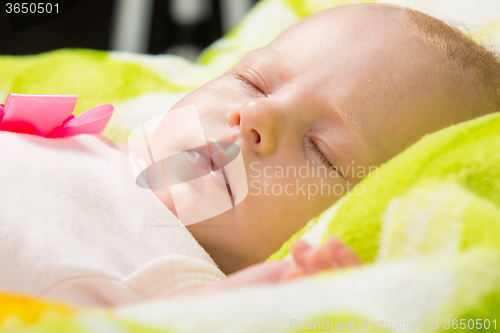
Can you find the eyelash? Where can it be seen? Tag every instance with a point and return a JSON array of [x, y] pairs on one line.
[[315, 149], [248, 83], [313, 145]]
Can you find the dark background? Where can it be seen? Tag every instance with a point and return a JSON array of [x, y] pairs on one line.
[[89, 24]]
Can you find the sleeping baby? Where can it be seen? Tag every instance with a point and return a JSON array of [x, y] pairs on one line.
[[346, 89]]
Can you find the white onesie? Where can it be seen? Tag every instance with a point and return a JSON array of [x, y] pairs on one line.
[[74, 226]]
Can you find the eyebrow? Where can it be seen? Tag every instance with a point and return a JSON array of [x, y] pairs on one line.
[[281, 67], [252, 55], [254, 52]]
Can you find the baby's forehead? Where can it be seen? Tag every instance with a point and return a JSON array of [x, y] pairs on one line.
[[368, 33], [361, 22], [361, 14], [345, 45]]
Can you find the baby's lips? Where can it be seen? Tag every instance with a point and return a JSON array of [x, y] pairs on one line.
[[223, 153], [197, 162], [187, 165]]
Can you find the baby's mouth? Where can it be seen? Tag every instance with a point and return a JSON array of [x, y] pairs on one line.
[[222, 154], [200, 159], [209, 159]]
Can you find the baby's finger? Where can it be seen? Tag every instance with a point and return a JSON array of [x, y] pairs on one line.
[[346, 257], [299, 251], [300, 246], [292, 272], [319, 260], [341, 254], [313, 259]]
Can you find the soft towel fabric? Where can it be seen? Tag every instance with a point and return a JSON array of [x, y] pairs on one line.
[[74, 226]]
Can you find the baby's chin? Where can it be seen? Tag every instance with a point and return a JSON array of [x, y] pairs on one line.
[[165, 197]]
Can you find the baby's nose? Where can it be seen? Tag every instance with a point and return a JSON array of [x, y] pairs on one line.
[[259, 125]]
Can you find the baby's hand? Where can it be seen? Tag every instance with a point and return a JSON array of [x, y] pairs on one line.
[[308, 260]]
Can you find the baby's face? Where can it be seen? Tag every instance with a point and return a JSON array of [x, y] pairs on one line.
[[346, 89]]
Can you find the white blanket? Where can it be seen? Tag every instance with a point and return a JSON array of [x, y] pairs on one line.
[[74, 226]]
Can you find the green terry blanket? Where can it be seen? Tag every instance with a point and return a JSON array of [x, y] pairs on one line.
[[427, 225]]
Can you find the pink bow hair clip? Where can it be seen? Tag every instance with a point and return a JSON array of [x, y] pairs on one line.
[[51, 116]]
